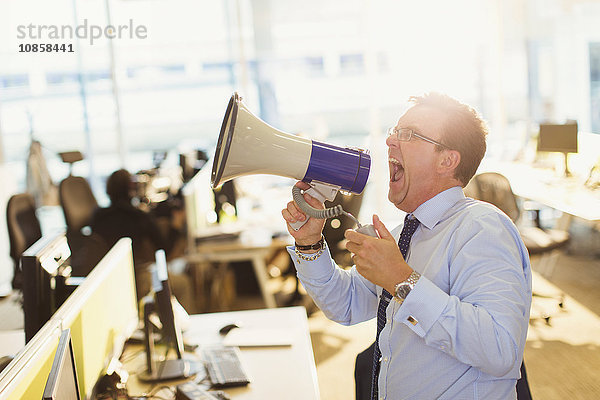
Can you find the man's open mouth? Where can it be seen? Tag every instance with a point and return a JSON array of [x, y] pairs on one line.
[[396, 169]]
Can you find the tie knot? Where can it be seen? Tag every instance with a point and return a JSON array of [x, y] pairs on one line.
[[410, 222]]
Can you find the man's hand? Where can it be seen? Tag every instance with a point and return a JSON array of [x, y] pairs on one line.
[[378, 260], [310, 232]]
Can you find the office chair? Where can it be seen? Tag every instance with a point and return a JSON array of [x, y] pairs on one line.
[[77, 201], [335, 227], [23, 230], [363, 373], [495, 188]]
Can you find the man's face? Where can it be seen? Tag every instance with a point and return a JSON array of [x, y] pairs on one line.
[[414, 164]]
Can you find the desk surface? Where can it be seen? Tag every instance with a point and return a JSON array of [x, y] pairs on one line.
[[283, 372], [568, 195]]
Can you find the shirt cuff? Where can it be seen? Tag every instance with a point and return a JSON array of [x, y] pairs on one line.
[[317, 271], [423, 306]]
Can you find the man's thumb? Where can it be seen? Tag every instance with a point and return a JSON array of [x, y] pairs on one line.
[[381, 229]]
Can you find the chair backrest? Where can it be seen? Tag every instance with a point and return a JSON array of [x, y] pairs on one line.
[[335, 227], [77, 201], [23, 225], [494, 188]]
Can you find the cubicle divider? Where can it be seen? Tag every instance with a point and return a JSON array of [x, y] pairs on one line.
[[101, 313]]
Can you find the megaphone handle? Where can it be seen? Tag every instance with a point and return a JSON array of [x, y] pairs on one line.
[[299, 224], [367, 229], [326, 192]]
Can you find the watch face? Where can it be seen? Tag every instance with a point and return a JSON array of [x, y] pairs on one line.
[[402, 290]]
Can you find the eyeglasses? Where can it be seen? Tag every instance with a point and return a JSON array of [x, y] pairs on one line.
[[405, 134]]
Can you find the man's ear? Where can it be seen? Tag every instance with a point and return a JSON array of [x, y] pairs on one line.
[[449, 160]]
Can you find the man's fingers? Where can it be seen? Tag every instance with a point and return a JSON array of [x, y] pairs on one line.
[[287, 216], [313, 202], [302, 185], [355, 237], [383, 232], [352, 247], [295, 212]]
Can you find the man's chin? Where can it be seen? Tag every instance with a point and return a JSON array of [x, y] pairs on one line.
[[396, 197]]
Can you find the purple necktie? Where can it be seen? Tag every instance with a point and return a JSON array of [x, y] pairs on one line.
[[410, 225]]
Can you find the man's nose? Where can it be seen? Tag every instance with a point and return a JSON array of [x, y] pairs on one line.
[[391, 141]]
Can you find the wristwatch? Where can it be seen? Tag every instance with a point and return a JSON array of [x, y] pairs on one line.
[[403, 288]]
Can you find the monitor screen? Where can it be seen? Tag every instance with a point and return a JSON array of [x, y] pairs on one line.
[[41, 264], [62, 381], [171, 333], [560, 138]]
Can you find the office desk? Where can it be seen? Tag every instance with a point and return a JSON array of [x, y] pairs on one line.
[[284, 372], [566, 194], [237, 250]]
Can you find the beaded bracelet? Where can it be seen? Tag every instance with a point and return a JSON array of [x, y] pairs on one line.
[[305, 257]]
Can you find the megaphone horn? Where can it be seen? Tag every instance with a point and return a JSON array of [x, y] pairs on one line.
[[247, 145]]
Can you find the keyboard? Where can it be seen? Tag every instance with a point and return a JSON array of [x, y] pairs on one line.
[[224, 366]]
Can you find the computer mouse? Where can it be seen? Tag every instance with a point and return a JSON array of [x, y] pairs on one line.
[[225, 330]]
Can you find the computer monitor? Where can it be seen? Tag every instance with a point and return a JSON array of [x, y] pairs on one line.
[[170, 332], [161, 305], [62, 381], [44, 265], [199, 204], [101, 313], [559, 138]]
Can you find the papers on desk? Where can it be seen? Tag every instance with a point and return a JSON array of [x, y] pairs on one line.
[[257, 337]]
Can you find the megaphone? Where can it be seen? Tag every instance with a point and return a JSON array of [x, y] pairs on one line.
[[247, 146]]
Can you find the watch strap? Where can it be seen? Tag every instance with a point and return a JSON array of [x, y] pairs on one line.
[[403, 288]]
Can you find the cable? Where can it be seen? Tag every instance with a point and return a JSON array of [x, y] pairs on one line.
[[312, 212], [152, 394]]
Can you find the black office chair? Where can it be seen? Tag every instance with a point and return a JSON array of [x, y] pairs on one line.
[[363, 373], [335, 227], [23, 230], [77, 201], [523, 391]]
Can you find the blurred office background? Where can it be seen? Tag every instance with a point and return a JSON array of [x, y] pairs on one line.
[[336, 71], [331, 70]]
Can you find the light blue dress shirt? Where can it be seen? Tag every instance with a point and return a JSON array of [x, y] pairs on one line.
[[460, 333]]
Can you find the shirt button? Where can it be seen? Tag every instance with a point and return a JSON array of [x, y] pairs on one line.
[[389, 320], [385, 359]]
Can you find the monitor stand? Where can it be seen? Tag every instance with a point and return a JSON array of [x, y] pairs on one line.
[[567, 172], [170, 369], [178, 368]]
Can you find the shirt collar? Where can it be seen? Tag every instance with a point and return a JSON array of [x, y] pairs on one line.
[[432, 211]]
